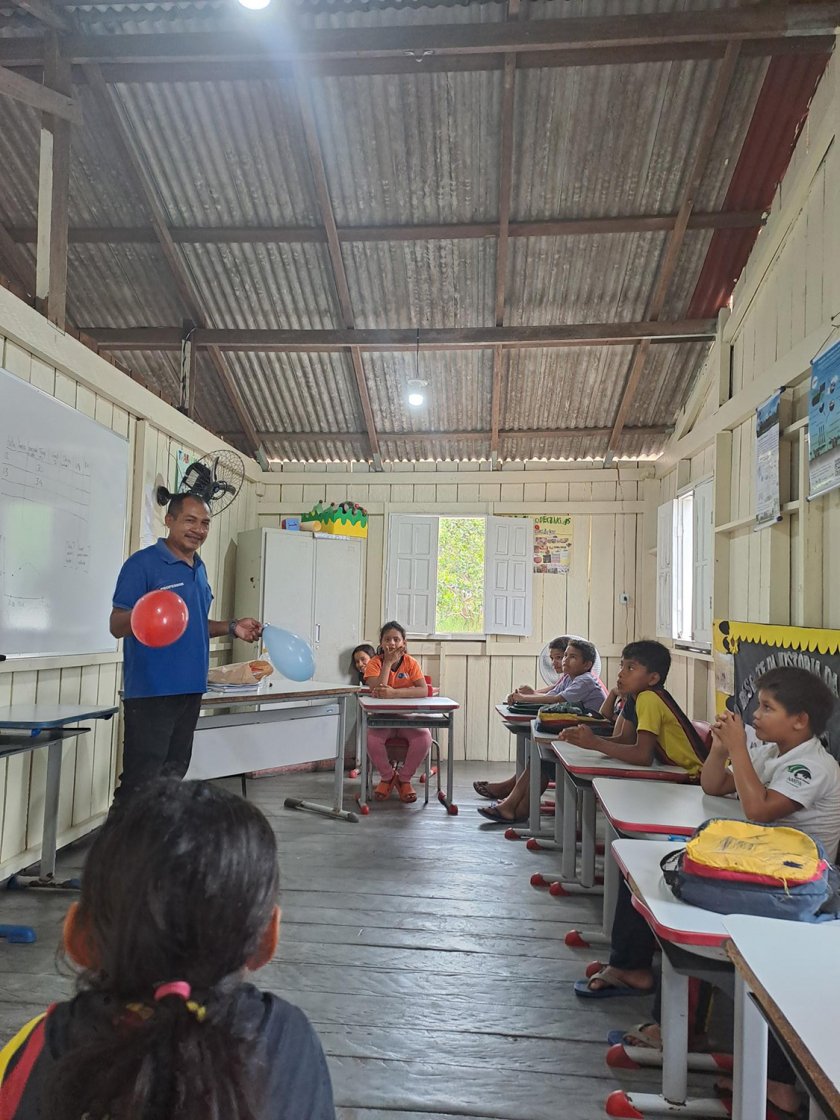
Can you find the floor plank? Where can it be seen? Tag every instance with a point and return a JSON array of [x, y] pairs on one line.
[[436, 976]]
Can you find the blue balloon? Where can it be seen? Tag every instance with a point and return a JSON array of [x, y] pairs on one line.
[[289, 653]]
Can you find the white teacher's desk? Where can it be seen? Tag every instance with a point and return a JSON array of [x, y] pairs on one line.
[[789, 970], [28, 727], [437, 713], [284, 724]]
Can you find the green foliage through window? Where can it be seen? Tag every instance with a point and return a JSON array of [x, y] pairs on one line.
[[460, 590]]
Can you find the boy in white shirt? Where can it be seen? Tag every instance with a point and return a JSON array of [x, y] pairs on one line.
[[778, 767]]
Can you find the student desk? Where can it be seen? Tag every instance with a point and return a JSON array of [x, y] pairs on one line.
[[642, 811], [693, 943], [435, 712], [575, 769], [28, 727], [519, 724], [283, 725], [789, 969]]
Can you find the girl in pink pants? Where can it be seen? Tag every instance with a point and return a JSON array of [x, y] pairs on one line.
[[393, 674]]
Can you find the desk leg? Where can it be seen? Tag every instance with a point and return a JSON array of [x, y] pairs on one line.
[[749, 1096], [49, 837], [523, 744], [363, 763], [537, 839], [447, 798], [587, 837], [338, 796], [584, 938]]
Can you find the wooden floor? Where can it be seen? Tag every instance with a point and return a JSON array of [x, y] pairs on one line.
[[436, 976]]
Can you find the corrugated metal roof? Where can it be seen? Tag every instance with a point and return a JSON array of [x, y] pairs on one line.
[[416, 148]]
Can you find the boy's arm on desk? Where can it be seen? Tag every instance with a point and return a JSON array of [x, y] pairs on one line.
[[639, 751]]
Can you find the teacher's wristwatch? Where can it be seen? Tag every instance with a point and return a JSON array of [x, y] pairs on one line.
[[234, 622]]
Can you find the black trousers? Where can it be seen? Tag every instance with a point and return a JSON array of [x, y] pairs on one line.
[[158, 740]]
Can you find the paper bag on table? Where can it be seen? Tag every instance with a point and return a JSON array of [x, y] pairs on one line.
[[241, 672]]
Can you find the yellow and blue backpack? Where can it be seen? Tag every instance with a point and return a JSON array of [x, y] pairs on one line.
[[743, 867]]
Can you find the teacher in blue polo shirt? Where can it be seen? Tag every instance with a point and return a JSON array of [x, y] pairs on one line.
[[163, 686]]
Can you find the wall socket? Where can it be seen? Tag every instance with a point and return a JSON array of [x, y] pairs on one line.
[[623, 598]]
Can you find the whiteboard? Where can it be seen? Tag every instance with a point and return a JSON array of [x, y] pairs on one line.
[[63, 485]]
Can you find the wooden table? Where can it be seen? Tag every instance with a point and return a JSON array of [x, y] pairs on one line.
[[29, 727], [238, 733], [787, 977], [435, 712]]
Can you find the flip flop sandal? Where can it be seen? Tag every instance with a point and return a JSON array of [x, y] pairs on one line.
[[483, 790], [406, 792], [613, 989], [383, 789], [774, 1112], [635, 1038], [494, 814]]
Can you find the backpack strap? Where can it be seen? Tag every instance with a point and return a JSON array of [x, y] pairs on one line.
[[697, 745], [17, 1060]]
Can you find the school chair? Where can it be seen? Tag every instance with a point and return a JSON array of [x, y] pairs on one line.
[[397, 748]]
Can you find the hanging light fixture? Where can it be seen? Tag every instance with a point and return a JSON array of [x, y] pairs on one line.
[[255, 5], [416, 384]]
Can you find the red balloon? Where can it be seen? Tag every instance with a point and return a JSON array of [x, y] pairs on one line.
[[159, 618]]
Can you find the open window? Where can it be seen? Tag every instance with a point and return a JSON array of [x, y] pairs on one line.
[[460, 576], [684, 567]]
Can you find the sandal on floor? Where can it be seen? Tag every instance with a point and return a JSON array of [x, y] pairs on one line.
[[774, 1111], [613, 987], [383, 789], [406, 792], [483, 790], [635, 1038]]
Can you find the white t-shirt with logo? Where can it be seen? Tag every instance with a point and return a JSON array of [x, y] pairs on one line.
[[808, 775]]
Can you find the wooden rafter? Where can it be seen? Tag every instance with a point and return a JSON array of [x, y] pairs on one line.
[[13, 261], [453, 231], [44, 12], [53, 194], [297, 438], [676, 237], [180, 275], [402, 339], [500, 360], [666, 31], [38, 96], [339, 273]]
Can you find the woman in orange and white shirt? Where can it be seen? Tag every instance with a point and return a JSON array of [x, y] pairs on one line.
[[393, 674]]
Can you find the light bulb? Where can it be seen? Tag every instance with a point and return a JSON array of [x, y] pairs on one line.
[[255, 5], [415, 399]]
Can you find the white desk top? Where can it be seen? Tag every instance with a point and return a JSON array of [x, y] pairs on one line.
[[791, 967], [418, 704], [697, 930], [283, 690], [635, 807], [28, 717], [513, 717], [578, 760]]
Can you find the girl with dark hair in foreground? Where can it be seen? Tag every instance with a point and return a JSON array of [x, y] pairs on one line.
[[178, 903]]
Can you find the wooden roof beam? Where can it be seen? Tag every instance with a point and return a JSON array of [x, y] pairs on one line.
[[405, 339], [674, 244], [578, 35], [39, 96], [44, 12], [180, 274], [454, 231], [322, 194], [297, 438]]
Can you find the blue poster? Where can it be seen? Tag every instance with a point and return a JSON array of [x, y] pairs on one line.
[[824, 422]]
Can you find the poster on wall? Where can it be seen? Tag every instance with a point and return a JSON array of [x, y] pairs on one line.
[[552, 545], [768, 507], [824, 423], [745, 650]]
